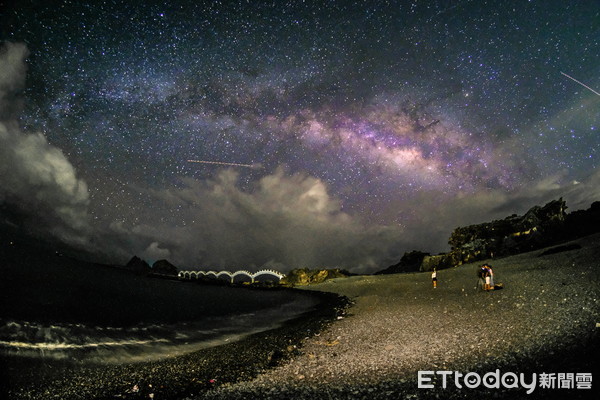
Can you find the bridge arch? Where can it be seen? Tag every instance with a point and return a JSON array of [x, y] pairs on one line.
[[213, 273], [275, 274], [231, 275], [222, 274], [243, 273]]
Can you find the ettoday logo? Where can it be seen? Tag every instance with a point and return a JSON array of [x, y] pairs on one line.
[[507, 380]]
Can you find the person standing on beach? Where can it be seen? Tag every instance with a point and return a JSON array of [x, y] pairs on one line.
[[489, 277], [481, 272], [434, 278]]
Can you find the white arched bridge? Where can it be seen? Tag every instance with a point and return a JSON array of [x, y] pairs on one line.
[[196, 274]]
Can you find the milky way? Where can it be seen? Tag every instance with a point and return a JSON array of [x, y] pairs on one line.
[[372, 128]]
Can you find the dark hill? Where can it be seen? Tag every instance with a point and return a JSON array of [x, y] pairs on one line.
[[540, 227], [138, 266], [164, 267]]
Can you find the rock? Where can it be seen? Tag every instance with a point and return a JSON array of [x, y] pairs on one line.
[[539, 227], [440, 261], [306, 276], [164, 267], [583, 222], [410, 262], [138, 266]]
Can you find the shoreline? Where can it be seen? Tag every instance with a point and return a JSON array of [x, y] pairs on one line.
[[173, 378], [543, 321]]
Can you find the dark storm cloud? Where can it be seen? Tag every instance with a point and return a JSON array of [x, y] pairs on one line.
[[35, 177]]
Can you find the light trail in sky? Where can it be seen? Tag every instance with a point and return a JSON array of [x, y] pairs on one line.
[[581, 83], [223, 163]]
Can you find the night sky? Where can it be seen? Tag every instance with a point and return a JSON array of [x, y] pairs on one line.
[[362, 129]]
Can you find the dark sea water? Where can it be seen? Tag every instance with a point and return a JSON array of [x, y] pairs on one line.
[[57, 308], [144, 341]]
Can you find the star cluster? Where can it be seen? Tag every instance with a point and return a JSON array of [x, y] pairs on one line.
[[399, 110]]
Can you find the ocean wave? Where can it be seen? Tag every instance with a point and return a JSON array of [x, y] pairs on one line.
[[142, 342], [64, 346]]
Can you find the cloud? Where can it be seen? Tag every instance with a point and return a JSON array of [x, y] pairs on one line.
[[286, 220], [292, 221], [154, 252], [35, 177], [435, 214], [12, 79]]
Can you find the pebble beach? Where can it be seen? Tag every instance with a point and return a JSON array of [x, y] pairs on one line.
[[372, 334], [545, 319]]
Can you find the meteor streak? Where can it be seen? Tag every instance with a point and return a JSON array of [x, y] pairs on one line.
[[581, 83], [222, 163]]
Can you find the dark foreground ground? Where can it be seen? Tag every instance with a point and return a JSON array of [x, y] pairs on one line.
[[173, 378], [545, 320]]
